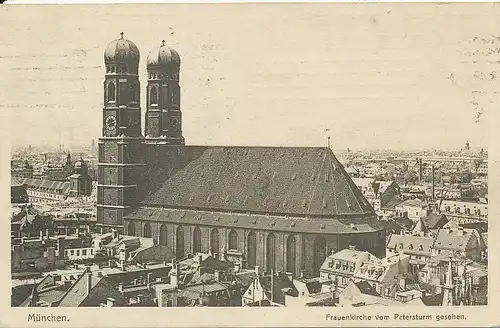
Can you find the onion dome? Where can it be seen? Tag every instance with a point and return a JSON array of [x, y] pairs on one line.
[[121, 51], [164, 57]]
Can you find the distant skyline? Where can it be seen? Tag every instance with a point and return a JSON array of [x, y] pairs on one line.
[[386, 78]]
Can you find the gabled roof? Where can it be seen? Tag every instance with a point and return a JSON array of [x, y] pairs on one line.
[[391, 203], [18, 194], [435, 221], [46, 185], [280, 283], [286, 180], [77, 293], [366, 289], [404, 222], [411, 244], [455, 239], [481, 227]]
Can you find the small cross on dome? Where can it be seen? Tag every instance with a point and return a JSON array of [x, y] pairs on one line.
[[121, 35], [162, 43]]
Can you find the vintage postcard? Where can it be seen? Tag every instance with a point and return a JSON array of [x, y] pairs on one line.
[[211, 163]]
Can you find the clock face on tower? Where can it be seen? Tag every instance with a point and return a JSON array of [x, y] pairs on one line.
[[110, 124]]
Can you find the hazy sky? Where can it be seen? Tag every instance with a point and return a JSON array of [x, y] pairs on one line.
[[375, 75]]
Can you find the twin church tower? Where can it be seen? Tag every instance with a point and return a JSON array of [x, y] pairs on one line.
[[122, 142]]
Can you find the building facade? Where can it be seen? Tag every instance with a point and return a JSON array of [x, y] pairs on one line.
[[281, 208]]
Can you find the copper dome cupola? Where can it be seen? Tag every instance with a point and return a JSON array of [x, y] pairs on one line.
[[164, 58], [121, 56]]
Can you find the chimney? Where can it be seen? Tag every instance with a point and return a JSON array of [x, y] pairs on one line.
[[214, 255], [174, 278], [460, 231], [257, 270], [290, 276], [352, 247], [120, 287], [89, 282], [110, 302], [303, 273], [60, 248], [217, 275], [47, 233], [41, 235], [148, 280], [199, 259], [115, 233]]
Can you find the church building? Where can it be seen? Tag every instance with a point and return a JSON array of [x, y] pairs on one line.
[[279, 208]]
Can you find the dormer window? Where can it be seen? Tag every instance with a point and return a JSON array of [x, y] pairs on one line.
[[400, 245], [420, 248], [410, 247]]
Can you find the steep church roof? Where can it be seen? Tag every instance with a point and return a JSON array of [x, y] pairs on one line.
[[302, 181]]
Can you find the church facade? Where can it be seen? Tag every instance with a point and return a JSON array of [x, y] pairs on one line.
[[280, 208]]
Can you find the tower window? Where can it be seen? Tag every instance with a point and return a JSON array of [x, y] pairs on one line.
[[111, 91], [153, 95]]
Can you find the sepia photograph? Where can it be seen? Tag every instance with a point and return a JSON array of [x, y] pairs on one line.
[[250, 155]]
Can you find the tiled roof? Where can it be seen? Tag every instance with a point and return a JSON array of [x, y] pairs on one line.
[[383, 185], [485, 238], [411, 244], [391, 203], [366, 289], [299, 180], [18, 194], [77, 293], [404, 222], [481, 227], [257, 221], [210, 287], [453, 239], [46, 185], [432, 220], [414, 203], [280, 282]]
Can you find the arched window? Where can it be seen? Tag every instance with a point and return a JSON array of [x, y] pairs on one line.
[[319, 253], [214, 241], [233, 240], [147, 231], [111, 91], [197, 240], [271, 252], [251, 250], [163, 235], [153, 95], [134, 92], [131, 229], [290, 254], [179, 242]]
